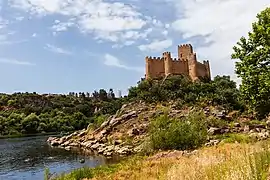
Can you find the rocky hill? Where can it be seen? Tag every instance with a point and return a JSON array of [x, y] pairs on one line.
[[127, 131]]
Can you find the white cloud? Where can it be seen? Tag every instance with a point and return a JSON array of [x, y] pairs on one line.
[[62, 26], [15, 62], [111, 60], [106, 20], [57, 49], [220, 23], [156, 45]]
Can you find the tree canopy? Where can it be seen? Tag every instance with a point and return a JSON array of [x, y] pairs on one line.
[[219, 91], [253, 66], [30, 113]]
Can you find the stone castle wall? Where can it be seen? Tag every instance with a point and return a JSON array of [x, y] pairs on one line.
[[186, 63]]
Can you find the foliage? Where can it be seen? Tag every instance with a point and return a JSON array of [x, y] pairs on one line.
[[186, 133], [103, 170], [254, 64], [234, 137], [212, 121], [220, 91], [31, 113], [77, 174]]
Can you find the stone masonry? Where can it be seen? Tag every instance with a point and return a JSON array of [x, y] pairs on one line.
[[186, 63]]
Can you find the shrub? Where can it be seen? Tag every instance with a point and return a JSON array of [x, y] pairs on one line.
[[77, 174], [232, 138], [220, 91], [215, 122], [186, 133]]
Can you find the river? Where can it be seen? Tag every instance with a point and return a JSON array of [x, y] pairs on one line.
[[26, 159]]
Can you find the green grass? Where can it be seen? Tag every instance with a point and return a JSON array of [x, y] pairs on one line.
[[103, 170], [234, 137]]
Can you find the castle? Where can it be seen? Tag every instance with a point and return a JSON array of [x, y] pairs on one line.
[[186, 63]]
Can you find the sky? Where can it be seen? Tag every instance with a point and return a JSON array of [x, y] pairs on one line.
[[61, 46]]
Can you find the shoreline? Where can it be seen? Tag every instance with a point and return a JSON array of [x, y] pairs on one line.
[[32, 135]]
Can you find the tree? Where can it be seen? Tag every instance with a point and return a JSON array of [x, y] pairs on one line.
[[103, 95], [254, 65], [111, 94], [95, 95]]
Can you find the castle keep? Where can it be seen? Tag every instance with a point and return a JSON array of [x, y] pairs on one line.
[[186, 63]]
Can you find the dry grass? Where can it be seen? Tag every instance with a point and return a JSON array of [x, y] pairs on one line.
[[225, 162]]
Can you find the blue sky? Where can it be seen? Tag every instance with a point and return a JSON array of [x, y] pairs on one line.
[[59, 46]]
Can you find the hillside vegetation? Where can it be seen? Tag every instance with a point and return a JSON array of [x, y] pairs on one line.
[[31, 113]]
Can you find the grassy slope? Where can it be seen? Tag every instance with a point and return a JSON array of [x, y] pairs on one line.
[[224, 162]]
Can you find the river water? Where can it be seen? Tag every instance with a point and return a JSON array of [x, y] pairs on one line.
[[26, 159]]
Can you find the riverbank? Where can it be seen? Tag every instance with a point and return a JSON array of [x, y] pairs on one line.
[[27, 157], [223, 162], [32, 135]]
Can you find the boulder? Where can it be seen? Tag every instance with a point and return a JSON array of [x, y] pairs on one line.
[[107, 153], [82, 133], [237, 125], [97, 146], [66, 143], [50, 139], [74, 144], [213, 142], [254, 126], [124, 150], [88, 143], [133, 132], [129, 115], [268, 123], [115, 121], [263, 136], [214, 131], [246, 129], [118, 141], [55, 143], [109, 148]]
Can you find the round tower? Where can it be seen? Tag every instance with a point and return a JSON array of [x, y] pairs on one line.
[[167, 63]]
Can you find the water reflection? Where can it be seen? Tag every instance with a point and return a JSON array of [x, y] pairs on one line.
[[26, 158]]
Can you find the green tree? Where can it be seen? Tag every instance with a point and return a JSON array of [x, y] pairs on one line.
[[253, 66], [31, 123], [103, 95]]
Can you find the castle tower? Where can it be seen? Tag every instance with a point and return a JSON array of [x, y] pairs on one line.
[[184, 51], [167, 63], [192, 66], [147, 67]]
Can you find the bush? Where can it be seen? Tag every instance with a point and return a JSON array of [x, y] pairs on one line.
[[220, 91], [215, 122], [186, 133], [77, 174]]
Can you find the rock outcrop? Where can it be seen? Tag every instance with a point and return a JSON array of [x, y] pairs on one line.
[[123, 133]]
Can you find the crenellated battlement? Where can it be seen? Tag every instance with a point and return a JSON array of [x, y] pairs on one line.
[[185, 45], [166, 53], [185, 63], [150, 58]]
